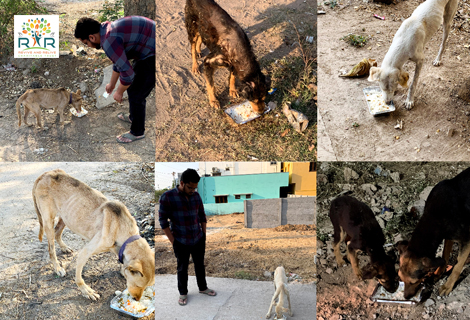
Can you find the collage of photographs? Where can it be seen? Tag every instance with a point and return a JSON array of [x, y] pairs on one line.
[[218, 160]]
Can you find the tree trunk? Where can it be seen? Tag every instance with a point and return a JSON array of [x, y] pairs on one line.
[[145, 8]]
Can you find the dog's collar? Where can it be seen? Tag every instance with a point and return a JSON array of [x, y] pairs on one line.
[[70, 100], [121, 251]]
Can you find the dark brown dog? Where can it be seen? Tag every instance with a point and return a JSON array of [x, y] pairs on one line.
[[355, 224], [208, 23], [446, 217]]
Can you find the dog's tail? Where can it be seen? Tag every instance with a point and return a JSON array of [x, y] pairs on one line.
[[18, 111], [41, 231]]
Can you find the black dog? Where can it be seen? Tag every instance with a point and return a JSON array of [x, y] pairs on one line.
[[355, 224], [208, 23], [446, 217]]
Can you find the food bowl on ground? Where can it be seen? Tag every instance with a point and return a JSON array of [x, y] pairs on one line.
[[375, 101], [382, 295], [243, 112], [125, 303]]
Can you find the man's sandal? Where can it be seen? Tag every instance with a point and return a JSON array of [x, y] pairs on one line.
[[183, 300], [124, 117], [128, 137], [209, 292]]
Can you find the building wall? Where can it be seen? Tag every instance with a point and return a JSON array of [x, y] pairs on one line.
[[236, 168], [304, 180], [270, 213], [260, 186]]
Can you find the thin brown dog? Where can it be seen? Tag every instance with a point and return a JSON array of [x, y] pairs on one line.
[[208, 23], [57, 99], [105, 224]]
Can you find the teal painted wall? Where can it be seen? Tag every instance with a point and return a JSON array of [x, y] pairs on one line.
[[261, 186]]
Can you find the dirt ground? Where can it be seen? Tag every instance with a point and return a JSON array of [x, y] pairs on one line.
[[399, 187], [90, 138], [233, 251], [347, 131], [188, 129], [29, 289]]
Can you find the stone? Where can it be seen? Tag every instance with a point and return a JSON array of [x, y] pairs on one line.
[[395, 176], [323, 262], [83, 87], [101, 101], [429, 302], [329, 270], [322, 178], [381, 222], [267, 274], [425, 193], [387, 215], [369, 188], [350, 174]]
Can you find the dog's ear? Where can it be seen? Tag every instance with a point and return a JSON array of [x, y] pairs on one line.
[[402, 246], [135, 267], [79, 92], [369, 272], [430, 265], [403, 79], [374, 74], [246, 89]]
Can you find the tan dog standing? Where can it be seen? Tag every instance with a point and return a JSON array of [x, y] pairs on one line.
[[107, 225], [57, 99], [280, 285]]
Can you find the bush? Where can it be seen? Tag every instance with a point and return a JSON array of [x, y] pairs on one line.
[[8, 9], [111, 11]]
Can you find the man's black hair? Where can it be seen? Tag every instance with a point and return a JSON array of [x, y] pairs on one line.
[[190, 175], [85, 27]]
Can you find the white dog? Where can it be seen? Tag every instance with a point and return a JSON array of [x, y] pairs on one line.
[[408, 44], [280, 283]]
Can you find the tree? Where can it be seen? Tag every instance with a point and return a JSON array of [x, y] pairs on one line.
[[144, 8]]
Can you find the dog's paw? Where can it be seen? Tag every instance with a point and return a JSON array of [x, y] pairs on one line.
[[436, 62], [196, 71], [89, 292], [60, 271], [408, 104], [214, 103], [341, 263], [233, 93], [66, 249], [445, 289], [291, 314], [268, 316]]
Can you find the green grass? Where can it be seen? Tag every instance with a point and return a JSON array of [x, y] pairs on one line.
[[355, 40], [245, 275]]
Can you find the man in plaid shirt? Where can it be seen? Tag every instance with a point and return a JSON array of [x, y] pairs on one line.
[[124, 39], [186, 230]]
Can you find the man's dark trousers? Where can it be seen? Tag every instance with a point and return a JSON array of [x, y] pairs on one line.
[[182, 253], [144, 82]]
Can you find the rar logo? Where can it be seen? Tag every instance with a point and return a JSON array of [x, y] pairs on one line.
[[36, 36], [36, 29]]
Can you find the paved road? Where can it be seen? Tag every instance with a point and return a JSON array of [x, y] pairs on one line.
[[236, 299]]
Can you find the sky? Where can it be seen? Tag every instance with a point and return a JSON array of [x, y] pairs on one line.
[[164, 172]]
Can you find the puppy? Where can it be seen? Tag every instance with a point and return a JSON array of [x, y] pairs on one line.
[[57, 99], [107, 225], [355, 224], [280, 287], [446, 217], [409, 43], [208, 23]]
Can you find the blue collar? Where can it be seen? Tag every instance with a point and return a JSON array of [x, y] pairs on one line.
[[70, 100], [121, 251]]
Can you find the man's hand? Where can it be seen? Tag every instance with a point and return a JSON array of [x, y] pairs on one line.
[[118, 96], [109, 88], [169, 235]]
